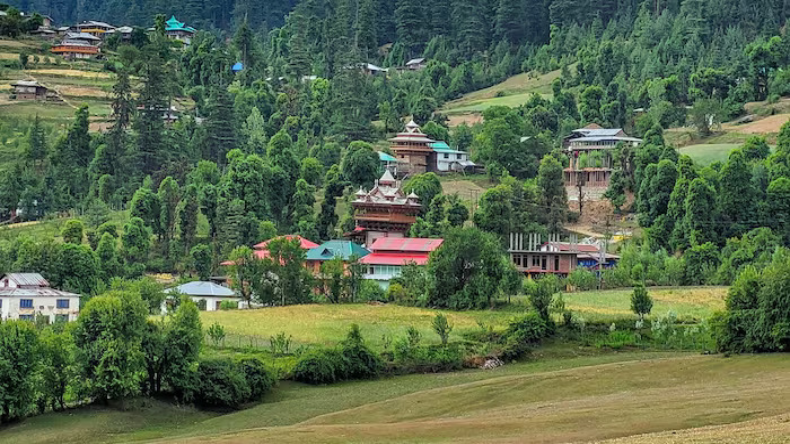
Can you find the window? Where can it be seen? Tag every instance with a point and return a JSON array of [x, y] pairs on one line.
[[371, 270], [26, 303], [26, 318], [459, 156], [543, 262], [535, 261], [556, 263], [446, 156], [62, 303], [1, 303]]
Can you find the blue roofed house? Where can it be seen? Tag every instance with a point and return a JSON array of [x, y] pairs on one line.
[[179, 31], [450, 160], [208, 295], [342, 249]]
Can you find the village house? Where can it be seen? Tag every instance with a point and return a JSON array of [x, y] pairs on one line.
[[417, 64], [94, 28], [384, 211], [446, 159], [124, 32], [535, 258], [207, 295], [28, 295], [390, 254], [590, 150], [262, 249], [72, 50], [413, 150], [344, 250], [588, 256], [29, 90], [176, 30]]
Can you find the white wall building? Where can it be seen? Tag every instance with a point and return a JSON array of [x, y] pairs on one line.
[[211, 293], [27, 295]]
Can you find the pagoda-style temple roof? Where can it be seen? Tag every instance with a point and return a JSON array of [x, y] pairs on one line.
[[386, 192], [412, 135]]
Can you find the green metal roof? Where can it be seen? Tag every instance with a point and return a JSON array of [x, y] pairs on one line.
[[384, 157], [174, 25], [443, 147], [336, 249]]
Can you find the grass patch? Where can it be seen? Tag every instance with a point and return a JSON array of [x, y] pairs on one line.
[[689, 303], [706, 154]]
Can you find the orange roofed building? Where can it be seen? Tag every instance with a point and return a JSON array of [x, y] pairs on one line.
[[384, 211]]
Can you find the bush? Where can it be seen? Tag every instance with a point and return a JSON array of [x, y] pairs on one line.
[[360, 362], [371, 291], [259, 378], [523, 334], [583, 279], [229, 305], [617, 340], [223, 383], [319, 367]]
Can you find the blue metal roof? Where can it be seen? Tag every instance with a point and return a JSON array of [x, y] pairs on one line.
[[238, 67], [336, 249], [443, 147], [384, 157]]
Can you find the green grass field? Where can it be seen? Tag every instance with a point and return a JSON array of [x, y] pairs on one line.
[[625, 397], [513, 92], [705, 154], [328, 324]]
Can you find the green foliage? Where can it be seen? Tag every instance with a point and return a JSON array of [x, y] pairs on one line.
[[524, 333], [73, 232], [442, 327], [641, 302], [222, 383], [216, 333], [583, 279], [201, 261], [541, 294], [280, 344], [19, 354]]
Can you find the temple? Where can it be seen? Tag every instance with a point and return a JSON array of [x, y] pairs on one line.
[[413, 150], [384, 211]]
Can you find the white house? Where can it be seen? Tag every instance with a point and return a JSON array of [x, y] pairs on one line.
[[27, 295], [450, 160], [211, 293]]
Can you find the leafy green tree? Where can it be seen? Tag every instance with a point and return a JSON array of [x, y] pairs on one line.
[[108, 339], [169, 197], [311, 171], [333, 189], [57, 349], [73, 232], [332, 272], [467, 270], [590, 104], [641, 302], [108, 257], [76, 269], [187, 216], [245, 272], [283, 279], [136, 243], [328, 154], [20, 355], [737, 195], [147, 206], [426, 186], [555, 197], [457, 212], [360, 164], [201, 261], [36, 149], [701, 212], [442, 327], [541, 294]]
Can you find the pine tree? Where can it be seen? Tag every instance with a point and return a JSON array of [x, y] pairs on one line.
[[701, 212], [365, 38], [410, 18], [153, 103], [737, 197], [187, 215], [510, 21], [220, 125], [36, 150]]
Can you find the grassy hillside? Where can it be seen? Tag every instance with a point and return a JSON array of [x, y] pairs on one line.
[[587, 399], [512, 92]]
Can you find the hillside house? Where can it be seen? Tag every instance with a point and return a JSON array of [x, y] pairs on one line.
[[262, 249], [94, 28], [384, 211], [535, 258], [336, 249], [588, 256], [176, 30], [124, 32], [590, 150], [29, 90], [389, 255], [417, 64], [207, 295], [446, 159], [72, 50], [413, 150], [27, 295]]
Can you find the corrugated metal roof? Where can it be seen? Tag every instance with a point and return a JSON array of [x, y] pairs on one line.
[[304, 243], [384, 157], [27, 279], [35, 292], [406, 244], [336, 249], [394, 259], [564, 246], [201, 288], [604, 138], [599, 132]]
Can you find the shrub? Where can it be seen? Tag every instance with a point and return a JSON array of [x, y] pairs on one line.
[[641, 302], [583, 279], [216, 333], [319, 367], [280, 344], [371, 291], [360, 362], [522, 334], [259, 378], [442, 327], [229, 305], [222, 384], [617, 340]]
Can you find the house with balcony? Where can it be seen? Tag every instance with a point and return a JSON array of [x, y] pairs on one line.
[[448, 160], [25, 296], [176, 30], [94, 28], [344, 250], [390, 254], [591, 153]]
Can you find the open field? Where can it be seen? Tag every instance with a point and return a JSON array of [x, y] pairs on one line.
[[513, 92], [328, 324], [705, 154], [627, 398]]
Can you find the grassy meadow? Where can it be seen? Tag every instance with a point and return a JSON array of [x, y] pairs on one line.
[[513, 92], [626, 397]]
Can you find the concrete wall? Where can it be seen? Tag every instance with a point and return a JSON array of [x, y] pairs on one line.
[[45, 306]]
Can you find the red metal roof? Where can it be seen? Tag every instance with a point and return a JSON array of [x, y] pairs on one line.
[[405, 244], [395, 259], [304, 243]]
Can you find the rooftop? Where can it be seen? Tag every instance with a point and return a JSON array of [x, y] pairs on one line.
[[27, 83], [200, 288], [396, 259], [405, 244], [81, 36], [304, 243], [27, 279], [95, 24], [342, 249], [443, 147], [416, 61], [384, 157], [174, 25], [386, 191], [412, 134]]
